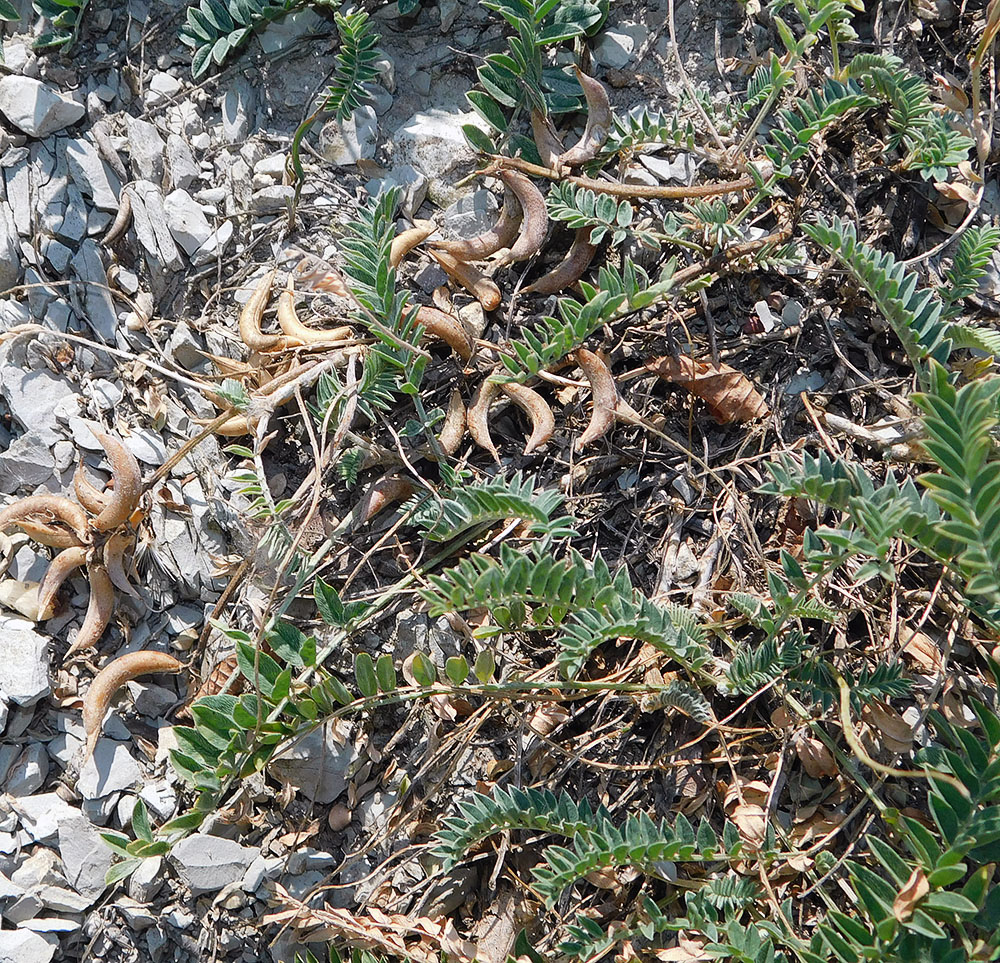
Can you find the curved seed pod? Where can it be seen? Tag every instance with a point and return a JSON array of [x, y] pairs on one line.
[[296, 330], [44, 509], [407, 240], [250, 316], [570, 269], [478, 415], [60, 569], [453, 428], [546, 140], [501, 235], [230, 428], [386, 490], [604, 396], [598, 122], [110, 679], [49, 534], [121, 222], [128, 484], [99, 609], [450, 330], [543, 422], [87, 493], [114, 561], [471, 278], [535, 223]]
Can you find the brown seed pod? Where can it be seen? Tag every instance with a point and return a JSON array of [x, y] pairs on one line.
[[289, 322], [501, 235], [99, 609], [128, 484], [49, 534], [232, 427], [570, 269], [453, 428], [407, 240], [598, 122], [543, 422], [546, 140], [383, 492], [43, 510], [251, 315], [478, 415], [604, 396], [450, 330], [470, 278], [535, 223], [121, 222], [87, 493], [60, 569], [110, 679], [115, 548]]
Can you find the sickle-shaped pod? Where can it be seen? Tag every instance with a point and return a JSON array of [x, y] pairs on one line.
[[501, 235], [250, 317], [128, 484], [549, 146], [604, 396], [478, 416], [450, 330], [39, 511], [543, 422], [99, 609], [60, 569], [469, 277], [289, 322], [453, 427], [570, 269], [535, 222], [87, 493], [598, 122], [115, 548], [407, 240]]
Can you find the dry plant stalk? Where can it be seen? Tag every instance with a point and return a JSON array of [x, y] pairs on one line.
[[728, 394], [110, 679]]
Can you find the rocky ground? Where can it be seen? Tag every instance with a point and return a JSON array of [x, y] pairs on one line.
[[116, 334]]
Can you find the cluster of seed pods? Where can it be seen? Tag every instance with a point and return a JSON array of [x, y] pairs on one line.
[[92, 532]]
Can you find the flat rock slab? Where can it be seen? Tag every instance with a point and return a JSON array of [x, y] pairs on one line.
[[35, 108], [24, 668], [23, 946], [206, 864], [86, 857]]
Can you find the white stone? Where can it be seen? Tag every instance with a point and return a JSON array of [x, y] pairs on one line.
[[411, 182], [615, 46], [186, 221], [314, 766], [23, 946], [29, 772], [287, 31], [86, 857], [42, 815], [145, 147], [146, 881], [206, 864], [110, 769], [273, 200], [162, 87], [24, 668], [433, 143], [344, 144], [92, 300], [35, 108], [183, 168], [10, 267]]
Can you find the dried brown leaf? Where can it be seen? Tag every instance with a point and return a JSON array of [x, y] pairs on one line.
[[728, 394], [913, 891]]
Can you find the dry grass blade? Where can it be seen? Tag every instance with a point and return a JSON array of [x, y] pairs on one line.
[[110, 679], [728, 394]]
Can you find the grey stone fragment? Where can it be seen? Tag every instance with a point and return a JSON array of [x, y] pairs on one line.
[[18, 178], [162, 86], [238, 106], [23, 908], [216, 244], [62, 900], [272, 200], [27, 463], [146, 149], [150, 222], [183, 168], [449, 10], [10, 262], [92, 175], [57, 254], [36, 108], [316, 765], [470, 215], [344, 144], [411, 182], [289, 30], [110, 769], [23, 946], [74, 221], [186, 221], [147, 880], [42, 814], [433, 143], [29, 772], [24, 668], [94, 302], [616, 45], [33, 397], [86, 857], [206, 864], [42, 868]]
